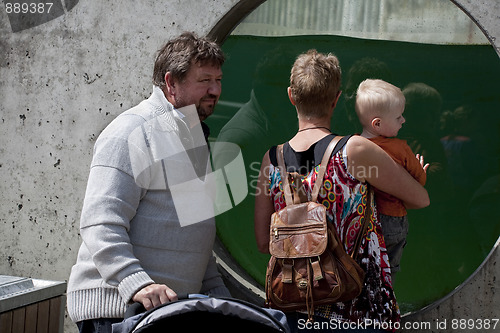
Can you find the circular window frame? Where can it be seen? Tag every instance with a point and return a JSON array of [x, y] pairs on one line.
[[238, 281], [485, 20]]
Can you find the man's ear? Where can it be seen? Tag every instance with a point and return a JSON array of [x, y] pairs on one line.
[[290, 97], [169, 83]]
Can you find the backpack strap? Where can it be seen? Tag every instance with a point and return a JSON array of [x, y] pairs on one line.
[[333, 147], [322, 167], [364, 226], [284, 175]]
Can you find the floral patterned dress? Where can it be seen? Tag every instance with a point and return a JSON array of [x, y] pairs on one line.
[[345, 199]]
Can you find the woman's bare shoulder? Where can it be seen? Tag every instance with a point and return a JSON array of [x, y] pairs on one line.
[[359, 145]]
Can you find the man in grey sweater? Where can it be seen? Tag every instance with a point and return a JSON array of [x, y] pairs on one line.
[[146, 224]]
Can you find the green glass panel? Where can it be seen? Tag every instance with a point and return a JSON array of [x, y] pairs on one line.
[[452, 118]]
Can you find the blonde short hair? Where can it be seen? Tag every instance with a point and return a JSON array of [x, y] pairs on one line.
[[315, 82], [375, 97]]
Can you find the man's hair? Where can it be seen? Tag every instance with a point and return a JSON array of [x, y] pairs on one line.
[[180, 53], [375, 97], [315, 82]]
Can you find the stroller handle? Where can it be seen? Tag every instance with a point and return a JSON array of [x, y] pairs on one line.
[[137, 308]]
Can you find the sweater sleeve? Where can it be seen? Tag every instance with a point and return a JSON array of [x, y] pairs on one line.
[[110, 203]]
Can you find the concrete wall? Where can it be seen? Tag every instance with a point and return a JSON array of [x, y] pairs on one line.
[[63, 81]]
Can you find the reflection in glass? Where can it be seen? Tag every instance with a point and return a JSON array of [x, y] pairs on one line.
[[448, 73], [421, 21]]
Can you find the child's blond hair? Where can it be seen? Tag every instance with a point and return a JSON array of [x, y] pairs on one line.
[[375, 97]]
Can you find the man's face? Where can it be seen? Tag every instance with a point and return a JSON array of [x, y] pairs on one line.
[[201, 87]]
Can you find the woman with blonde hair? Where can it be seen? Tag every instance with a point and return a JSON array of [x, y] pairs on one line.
[[314, 91]]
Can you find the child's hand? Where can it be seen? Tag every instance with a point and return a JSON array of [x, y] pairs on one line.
[[421, 160]]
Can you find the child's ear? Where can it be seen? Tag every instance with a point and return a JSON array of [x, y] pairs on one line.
[[376, 122]]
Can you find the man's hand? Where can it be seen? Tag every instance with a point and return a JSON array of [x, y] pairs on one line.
[[153, 295]]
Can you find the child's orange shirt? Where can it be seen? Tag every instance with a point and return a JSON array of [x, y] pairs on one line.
[[401, 153]]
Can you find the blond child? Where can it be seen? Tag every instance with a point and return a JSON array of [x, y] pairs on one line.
[[380, 106]]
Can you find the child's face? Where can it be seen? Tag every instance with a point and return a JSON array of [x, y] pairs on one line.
[[391, 122]]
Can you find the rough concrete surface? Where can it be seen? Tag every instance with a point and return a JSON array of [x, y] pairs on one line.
[[61, 83]]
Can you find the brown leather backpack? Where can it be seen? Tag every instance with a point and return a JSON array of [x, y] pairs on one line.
[[308, 264]]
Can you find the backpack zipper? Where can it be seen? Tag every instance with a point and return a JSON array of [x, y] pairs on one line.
[[292, 230]]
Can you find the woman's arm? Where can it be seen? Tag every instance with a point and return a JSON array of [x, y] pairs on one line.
[[264, 207], [368, 162]]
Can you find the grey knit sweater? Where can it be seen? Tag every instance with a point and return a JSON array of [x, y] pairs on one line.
[[131, 232]]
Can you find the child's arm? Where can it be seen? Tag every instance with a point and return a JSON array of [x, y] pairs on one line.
[[415, 165]]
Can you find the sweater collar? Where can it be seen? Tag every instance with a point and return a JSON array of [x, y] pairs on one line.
[[162, 105]]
